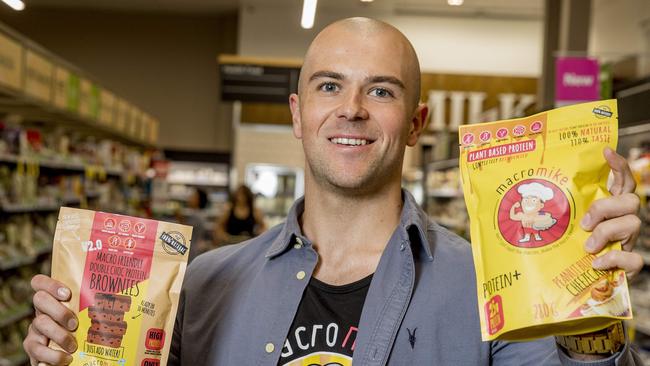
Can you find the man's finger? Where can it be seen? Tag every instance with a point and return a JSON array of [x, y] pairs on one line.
[[48, 305], [53, 287], [33, 337], [41, 354], [620, 228], [610, 207], [50, 329], [630, 262], [623, 178], [36, 335]]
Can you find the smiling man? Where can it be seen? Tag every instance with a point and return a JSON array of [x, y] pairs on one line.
[[357, 271]]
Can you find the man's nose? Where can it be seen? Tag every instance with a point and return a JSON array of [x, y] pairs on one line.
[[352, 107]]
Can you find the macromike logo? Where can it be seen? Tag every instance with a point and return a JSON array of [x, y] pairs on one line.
[[173, 243]]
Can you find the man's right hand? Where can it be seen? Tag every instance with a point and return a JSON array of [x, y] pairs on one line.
[[53, 322]]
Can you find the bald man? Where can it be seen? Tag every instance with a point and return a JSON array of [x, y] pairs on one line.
[[357, 270]]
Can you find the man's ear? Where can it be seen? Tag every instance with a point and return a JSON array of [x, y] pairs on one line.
[[418, 122], [294, 105]]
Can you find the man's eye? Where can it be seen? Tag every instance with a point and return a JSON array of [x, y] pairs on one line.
[[328, 87], [381, 93]]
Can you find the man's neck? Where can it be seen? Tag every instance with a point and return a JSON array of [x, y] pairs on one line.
[[350, 232]]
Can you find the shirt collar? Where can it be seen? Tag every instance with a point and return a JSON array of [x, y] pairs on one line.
[[412, 218]]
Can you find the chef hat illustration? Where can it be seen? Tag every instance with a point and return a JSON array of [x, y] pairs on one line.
[[537, 190]]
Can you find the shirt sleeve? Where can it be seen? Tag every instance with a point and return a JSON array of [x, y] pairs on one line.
[[546, 352]]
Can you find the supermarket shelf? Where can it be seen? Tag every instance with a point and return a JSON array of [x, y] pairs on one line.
[[453, 224], [17, 208], [17, 313], [14, 208], [443, 164], [17, 358], [26, 260], [445, 193], [61, 165]]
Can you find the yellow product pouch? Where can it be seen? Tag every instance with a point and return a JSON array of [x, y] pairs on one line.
[[125, 274], [527, 184]]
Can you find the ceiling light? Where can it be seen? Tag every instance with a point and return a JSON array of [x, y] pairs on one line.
[[367, 1], [17, 5], [308, 13], [455, 2]]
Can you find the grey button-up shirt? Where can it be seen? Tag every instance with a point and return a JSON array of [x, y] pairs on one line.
[[238, 302]]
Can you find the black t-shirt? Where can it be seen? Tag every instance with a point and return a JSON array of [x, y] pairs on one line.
[[324, 330]]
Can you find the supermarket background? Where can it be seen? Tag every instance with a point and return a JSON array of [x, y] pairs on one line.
[[130, 106]]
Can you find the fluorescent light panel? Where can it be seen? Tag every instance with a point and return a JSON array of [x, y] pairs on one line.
[[17, 5], [308, 13], [455, 2]]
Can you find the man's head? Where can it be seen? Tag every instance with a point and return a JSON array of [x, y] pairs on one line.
[[357, 105]]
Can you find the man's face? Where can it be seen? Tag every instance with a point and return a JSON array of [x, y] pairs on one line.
[[531, 204], [356, 113]]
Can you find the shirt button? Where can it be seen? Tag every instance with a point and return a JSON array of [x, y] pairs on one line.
[[300, 275], [269, 348], [297, 246], [298, 241]]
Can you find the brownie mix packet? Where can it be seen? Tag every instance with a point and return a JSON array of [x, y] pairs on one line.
[[527, 184], [125, 274]]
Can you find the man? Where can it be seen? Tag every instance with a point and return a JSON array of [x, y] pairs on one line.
[[357, 270]]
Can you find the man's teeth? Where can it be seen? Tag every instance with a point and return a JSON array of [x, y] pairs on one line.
[[351, 142]]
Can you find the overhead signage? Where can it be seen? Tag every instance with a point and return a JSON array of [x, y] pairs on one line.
[[257, 83]]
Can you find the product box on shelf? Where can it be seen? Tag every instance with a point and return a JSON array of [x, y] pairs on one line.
[[39, 74], [106, 108], [11, 67]]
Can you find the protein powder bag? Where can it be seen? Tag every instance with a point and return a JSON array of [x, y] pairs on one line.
[[527, 184], [125, 274]]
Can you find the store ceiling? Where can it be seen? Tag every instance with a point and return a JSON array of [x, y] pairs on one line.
[[525, 8], [185, 6]]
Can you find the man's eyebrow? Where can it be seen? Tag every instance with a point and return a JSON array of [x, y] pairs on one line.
[[326, 74], [372, 79], [387, 79]]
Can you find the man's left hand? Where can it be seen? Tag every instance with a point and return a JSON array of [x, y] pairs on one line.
[[615, 218]]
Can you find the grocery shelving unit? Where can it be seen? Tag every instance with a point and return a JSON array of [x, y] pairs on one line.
[[634, 143], [64, 140], [442, 191]]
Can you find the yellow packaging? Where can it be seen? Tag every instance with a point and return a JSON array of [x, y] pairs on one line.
[[527, 184], [125, 274]]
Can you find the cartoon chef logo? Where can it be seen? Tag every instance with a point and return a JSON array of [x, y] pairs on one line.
[[322, 359], [533, 213]]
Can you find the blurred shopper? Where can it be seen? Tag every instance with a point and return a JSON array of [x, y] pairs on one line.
[[198, 219], [240, 219]]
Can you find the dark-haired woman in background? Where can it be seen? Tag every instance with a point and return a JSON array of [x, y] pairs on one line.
[[240, 219], [197, 202]]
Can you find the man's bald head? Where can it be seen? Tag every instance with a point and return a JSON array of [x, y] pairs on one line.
[[373, 33]]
